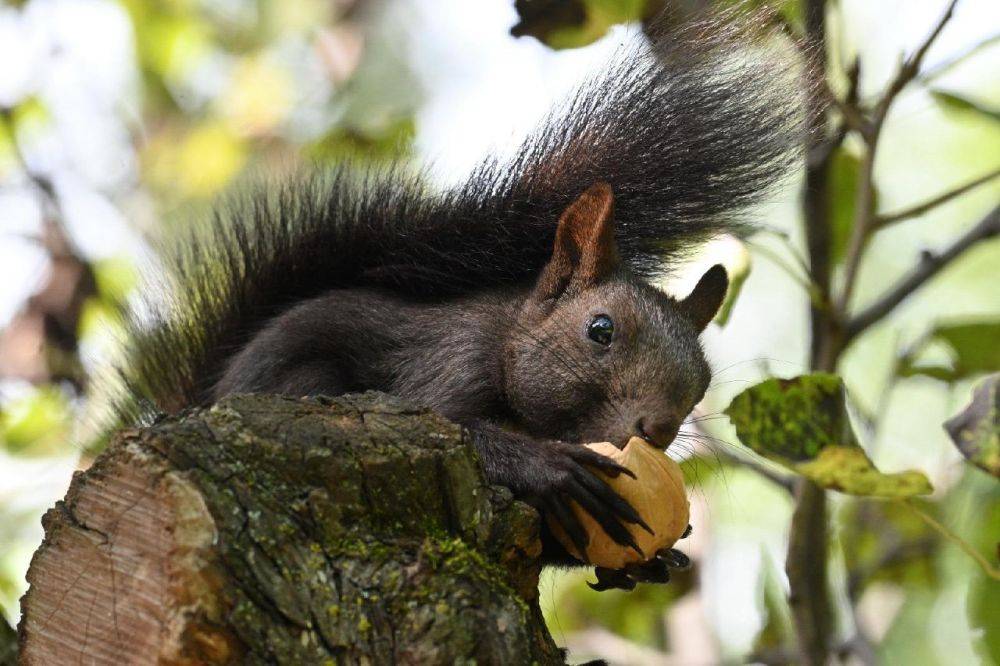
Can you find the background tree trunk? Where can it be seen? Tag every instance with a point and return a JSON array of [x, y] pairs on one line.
[[358, 529]]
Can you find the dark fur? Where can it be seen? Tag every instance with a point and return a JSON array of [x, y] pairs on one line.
[[356, 281]]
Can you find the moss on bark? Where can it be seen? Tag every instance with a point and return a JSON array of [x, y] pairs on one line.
[[351, 530]]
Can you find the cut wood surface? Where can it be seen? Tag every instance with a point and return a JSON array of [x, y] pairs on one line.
[[270, 530]]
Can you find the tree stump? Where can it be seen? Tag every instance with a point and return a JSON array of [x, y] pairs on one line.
[[269, 530]]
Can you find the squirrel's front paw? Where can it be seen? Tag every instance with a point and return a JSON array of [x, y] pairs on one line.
[[655, 570], [560, 474]]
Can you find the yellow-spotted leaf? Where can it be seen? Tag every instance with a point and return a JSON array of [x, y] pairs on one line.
[[848, 469], [803, 424]]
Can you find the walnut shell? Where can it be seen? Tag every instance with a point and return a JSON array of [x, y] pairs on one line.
[[658, 495]]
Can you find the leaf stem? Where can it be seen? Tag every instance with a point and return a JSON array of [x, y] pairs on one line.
[[990, 570]]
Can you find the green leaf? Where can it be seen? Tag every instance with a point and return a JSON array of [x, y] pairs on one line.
[[566, 24], [803, 424], [37, 424], [983, 602], [387, 141], [976, 429], [738, 270], [958, 104], [842, 184], [29, 113], [973, 348]]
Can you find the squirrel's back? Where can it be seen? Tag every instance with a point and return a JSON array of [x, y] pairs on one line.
[[689, 128]]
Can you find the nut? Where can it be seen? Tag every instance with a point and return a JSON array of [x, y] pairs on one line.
[[657, 493]]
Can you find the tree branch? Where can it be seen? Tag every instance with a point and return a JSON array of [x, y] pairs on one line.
[[805, 563], [882, 221], [816, 190], [57, 240], [864, 206], [930, 264], [911, 67], [806, 567]]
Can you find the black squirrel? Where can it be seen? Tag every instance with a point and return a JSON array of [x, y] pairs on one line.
[[518, 303]]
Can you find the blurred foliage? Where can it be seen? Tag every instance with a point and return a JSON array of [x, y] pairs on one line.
[[844, 171], [976, 429], [971, 347], [223, 93], [983, 602], [778, 631], [900, 551], [387, 143], [631, 614], [738, 270], [564, 24], [37, 424], [116, 279], [959, 104], [194, 162], [8, 644]]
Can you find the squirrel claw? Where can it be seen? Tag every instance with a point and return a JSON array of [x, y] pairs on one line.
[[687, 532], [674, 558], [611, 579], [653, 571]]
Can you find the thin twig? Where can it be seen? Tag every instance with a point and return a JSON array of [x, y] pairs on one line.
[[882, 221], [988, 568], [852, 115], [911, 67], [930, 264], [864, 204], [56, 239], [777, 478], [939, 69]]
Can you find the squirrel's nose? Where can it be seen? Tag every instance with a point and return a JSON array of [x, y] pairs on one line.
[[658, 432]]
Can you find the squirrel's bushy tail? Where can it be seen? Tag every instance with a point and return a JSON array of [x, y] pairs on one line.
[[689, 128]]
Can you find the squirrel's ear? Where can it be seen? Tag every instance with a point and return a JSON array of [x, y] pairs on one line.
[[585, 249], [706, 297]]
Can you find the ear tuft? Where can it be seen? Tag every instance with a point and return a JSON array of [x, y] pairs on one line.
[[707, 296], [584, 251]]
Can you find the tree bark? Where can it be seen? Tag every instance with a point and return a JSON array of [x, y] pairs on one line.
[[270, 530]]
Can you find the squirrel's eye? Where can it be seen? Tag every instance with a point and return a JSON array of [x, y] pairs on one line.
[[601, 329]]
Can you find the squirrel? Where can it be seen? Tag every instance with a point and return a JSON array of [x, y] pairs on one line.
[[518, 303]]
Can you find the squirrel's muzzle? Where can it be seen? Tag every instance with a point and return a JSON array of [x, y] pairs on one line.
[[658, 432]]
